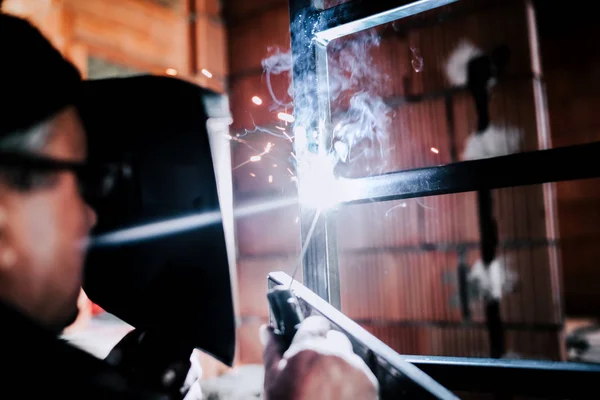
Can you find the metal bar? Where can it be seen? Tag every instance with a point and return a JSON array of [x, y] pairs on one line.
[[514, 326], [462, 277], [320, 270], [488, 231], [357, 15], [310, 72], [530, 168], [489, 243], [539, 379], [417, 384]]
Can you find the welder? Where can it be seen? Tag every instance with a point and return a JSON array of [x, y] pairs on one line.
[[47, 181]]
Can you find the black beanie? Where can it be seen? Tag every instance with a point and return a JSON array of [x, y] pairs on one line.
[[36, 81]]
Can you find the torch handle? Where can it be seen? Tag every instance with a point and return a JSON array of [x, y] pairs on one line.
[[286, 313]]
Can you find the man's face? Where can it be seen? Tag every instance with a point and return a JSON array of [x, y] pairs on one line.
[[46, 227]]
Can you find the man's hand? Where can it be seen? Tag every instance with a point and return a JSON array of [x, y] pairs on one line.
[[319, 364]]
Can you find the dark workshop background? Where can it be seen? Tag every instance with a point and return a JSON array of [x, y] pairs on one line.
[[398, 260]]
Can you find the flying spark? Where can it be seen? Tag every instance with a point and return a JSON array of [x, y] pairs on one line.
[[270, 178], [171, 71], [207, 73], [257, 100], [434, 150], [285, 117], [255, 158]]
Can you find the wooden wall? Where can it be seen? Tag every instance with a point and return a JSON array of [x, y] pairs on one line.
[[398, 261], [180, 37]]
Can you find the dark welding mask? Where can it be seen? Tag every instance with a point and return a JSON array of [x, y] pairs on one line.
[[159, 256], [159, 177]]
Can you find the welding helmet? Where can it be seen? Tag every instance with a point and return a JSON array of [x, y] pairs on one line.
[[161, 145]]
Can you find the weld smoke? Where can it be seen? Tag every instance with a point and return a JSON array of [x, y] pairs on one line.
[[360, 117]]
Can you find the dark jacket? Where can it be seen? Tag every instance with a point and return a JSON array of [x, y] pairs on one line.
[[36, 364]]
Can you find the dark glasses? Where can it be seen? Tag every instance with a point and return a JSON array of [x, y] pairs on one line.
[[96, 181]]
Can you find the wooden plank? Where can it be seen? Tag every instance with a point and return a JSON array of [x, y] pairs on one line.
[[211, 46], [236, 11], [132, 33]]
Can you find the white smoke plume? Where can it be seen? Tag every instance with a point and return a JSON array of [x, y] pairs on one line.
[[494, 281], [360, 117], [458, 62], [495, 141]]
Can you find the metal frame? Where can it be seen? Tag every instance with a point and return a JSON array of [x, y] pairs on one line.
[[312, 30], [418, 377]]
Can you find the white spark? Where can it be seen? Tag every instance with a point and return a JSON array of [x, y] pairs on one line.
[[257, 100], [207, 73], [285, 117]]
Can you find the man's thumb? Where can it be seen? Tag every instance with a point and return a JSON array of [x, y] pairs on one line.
[[273, 347]]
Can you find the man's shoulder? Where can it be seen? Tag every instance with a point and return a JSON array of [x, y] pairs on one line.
[[35, 361]]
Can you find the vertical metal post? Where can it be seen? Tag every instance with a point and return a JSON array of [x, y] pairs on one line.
[[479, 73], [312, 112], [489, 243]]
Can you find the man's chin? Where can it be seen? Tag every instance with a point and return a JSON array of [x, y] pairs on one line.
[[69, 317]]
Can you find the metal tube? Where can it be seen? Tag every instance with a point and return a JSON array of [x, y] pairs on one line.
[[311, 85], [528, 168], [357, 15]]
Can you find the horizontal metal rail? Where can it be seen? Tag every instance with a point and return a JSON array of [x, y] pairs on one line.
[[541, 379], [530, 168], [357, 15]]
